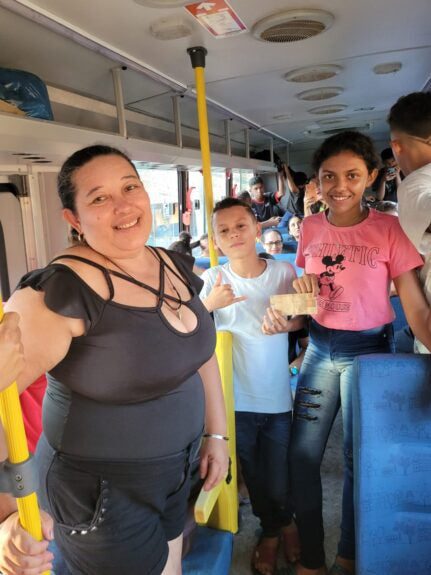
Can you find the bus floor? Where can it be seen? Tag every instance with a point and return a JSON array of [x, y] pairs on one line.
[[332, 479]]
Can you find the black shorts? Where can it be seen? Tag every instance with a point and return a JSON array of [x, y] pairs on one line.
[[116, 517]]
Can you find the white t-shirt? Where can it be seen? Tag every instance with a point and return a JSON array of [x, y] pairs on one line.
[[260, 362], [414, 208]]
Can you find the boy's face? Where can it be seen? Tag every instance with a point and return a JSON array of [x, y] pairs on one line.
[[257, 192], [235, 231], [406, 152]]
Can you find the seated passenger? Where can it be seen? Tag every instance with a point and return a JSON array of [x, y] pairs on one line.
[[388, 179], [184, 244], [295, 227], [266, 205], [272, 241], [238, 293], [203, 243]]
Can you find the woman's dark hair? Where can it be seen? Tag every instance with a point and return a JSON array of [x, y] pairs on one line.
[[350, 141], [268, 231], [65, 185]]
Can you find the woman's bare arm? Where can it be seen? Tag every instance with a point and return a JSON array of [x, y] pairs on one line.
[[46, 336]]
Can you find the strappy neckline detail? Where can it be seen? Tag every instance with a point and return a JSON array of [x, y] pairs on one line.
[[159, 293]]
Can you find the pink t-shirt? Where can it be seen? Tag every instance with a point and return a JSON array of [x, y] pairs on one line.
[[355, 266]]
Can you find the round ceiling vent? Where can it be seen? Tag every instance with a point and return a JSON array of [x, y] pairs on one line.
[[328, 109], [387, 68], [171, 28], [163, 3], [292, 25], [317, 94], [313, 73]]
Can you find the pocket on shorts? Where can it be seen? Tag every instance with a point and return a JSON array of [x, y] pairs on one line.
[[77, 499]]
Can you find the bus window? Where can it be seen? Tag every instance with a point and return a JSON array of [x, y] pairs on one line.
[[162, 187], [240, 179], [197, 199]]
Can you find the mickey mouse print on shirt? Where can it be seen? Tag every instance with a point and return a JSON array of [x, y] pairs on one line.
[[327, 285]]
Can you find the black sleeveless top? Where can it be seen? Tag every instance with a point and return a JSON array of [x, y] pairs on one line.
[[128, 388]]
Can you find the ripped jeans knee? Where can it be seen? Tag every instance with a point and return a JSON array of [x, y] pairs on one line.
[[307, 404]]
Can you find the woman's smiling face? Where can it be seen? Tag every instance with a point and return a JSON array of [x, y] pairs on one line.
[[112, 208]]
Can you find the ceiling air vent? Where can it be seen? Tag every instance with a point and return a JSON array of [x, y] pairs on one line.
[[332, 121], [387, 68], [292, 25], [332, 131], [328, 109], [320, 94], [163, 3], [313, 73]]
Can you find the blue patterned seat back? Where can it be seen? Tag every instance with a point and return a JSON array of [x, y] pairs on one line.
[[392, 459]]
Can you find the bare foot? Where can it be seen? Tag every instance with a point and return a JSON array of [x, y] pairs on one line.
[[264, 560], [291, 544]]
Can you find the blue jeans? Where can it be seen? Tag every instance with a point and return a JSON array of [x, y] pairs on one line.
[[325, 383], [262, 441]]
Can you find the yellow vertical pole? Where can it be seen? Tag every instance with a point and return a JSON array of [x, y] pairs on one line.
[[197, 55], [13, 425], [225, 513]]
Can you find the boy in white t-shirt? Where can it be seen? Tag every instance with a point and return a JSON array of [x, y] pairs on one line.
[[238, 293], [410, 123]]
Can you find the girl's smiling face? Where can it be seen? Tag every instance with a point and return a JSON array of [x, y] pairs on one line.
[[343, 180]]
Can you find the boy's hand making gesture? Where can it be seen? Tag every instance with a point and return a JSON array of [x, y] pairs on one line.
[[221, 295]]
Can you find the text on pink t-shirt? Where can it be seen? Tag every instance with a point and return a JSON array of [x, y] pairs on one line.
[[355, 266]]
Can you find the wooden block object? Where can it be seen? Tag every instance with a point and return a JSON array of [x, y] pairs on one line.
[[294, 303]]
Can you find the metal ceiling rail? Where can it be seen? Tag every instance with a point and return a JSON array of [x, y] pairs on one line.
[[36, 14]]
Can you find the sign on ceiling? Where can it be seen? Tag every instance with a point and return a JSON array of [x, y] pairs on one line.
[[217, 17]]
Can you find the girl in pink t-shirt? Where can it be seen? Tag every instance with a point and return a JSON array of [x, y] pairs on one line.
[[350, 254]]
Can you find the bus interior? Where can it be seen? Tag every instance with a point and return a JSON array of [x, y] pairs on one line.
[[281, 76]]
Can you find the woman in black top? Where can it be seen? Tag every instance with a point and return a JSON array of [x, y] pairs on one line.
[[132, 378]]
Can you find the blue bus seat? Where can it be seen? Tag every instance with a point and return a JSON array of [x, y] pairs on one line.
[[211, 553], [392, 461]]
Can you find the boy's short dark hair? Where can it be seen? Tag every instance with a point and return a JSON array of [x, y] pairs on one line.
[[412, 114], [255, 180], [227, 203], [387, 154]]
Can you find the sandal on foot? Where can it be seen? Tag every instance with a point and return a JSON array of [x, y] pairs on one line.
[[291, 544], [266, 555], [338, 569]]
